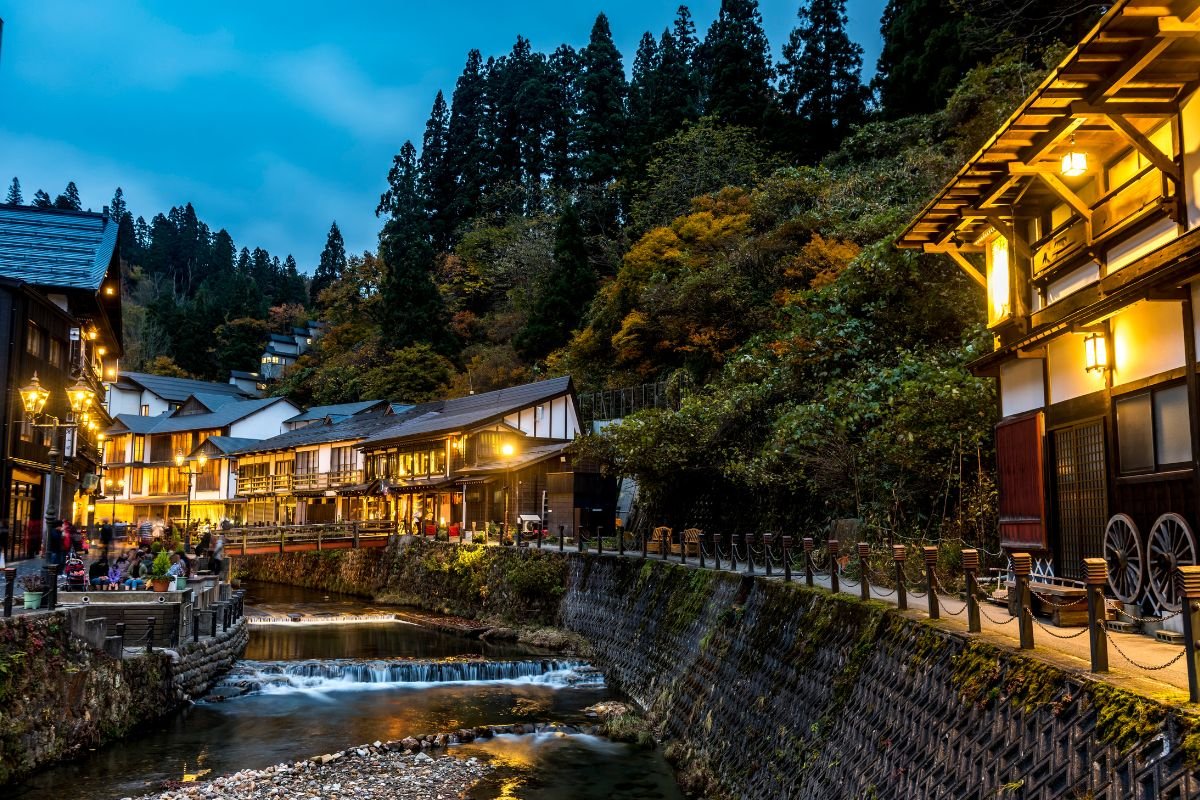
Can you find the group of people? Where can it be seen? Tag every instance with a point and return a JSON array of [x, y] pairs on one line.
[[132, 568]]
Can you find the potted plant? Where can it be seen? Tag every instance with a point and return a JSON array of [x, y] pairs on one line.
[[34, 586], [158, 572]]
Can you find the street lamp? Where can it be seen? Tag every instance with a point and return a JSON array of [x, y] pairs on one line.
[[34, 397], [201, 461], [506, 452], [114, 488]]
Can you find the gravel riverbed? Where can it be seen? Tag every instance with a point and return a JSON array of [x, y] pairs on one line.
[[370, 772]]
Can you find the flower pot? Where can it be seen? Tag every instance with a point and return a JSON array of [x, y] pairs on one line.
[[160, 584], [180, 583], [33, 600]]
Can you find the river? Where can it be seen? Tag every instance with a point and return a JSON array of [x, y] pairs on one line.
[[303, 690]]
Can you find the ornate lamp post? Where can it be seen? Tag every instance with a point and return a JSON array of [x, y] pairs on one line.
[[201, 461], [33, 398], [507, 451], [114, 488]]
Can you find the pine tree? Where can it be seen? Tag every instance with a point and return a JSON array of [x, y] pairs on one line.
[[437, 176], [602, 107], [412, 307], [126, 238], [736, 59], [466, 150], [923, 55], [42, 200], [14, 194], [821, 92], [565, 67], [69, 199], [644, 97], [296, 292], [678, 86], [563, 295], [331, 266]]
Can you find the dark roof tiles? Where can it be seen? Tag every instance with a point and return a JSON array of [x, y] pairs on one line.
[[53, 247]]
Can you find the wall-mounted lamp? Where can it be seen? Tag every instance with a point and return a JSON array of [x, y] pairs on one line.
[[1095, 352], [1075, 162]]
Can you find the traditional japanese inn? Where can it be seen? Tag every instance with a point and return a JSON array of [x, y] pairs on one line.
[[1079, 219]]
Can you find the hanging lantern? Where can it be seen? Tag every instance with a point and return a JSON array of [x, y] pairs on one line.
[[1075, 162], [34, 397], [81, 396]]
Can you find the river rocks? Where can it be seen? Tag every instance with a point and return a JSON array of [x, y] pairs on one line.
[[369, 772], [608, 709]]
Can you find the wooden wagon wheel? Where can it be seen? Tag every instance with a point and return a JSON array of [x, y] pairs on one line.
[[1172, 545], [1126, 560]]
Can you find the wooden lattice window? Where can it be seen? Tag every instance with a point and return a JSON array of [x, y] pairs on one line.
[[1080, 491]]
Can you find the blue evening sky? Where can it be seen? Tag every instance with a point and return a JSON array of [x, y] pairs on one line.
[[272, 118]]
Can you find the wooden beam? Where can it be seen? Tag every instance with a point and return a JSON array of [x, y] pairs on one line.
[[1133, 109], [1144, 146], [997, 190], [1049, 176], [964, 264], [1130, 68], [1057, 131], [1037, 352]]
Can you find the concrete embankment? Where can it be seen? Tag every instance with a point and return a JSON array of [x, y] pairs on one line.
[[766, 690], [60, 696]]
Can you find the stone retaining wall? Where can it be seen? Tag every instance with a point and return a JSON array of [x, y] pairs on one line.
[[764, 690], [60, 696]]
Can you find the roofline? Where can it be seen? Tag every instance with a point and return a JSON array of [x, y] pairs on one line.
[[1117, 8]]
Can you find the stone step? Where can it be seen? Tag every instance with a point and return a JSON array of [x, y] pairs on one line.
[[1117, 626], [1170, 637]]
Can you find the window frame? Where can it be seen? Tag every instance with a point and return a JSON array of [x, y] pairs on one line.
[[1156, 467]]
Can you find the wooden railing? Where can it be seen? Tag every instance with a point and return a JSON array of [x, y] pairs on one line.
[[326, 480], [264, 484], [258, 540]]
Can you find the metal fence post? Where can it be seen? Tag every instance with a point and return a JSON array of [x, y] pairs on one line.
[[195, 626], [1022, 566], [517, 538], [213, 610], [715, 538], [785, 544], [1189, 583], [579, 539], [733, 551], [282, 540], [899, 556], [120, 626], [10, 578], [748, 541], [149, 634], [970, 562], [700, 548], [682, 548], [807, 542], [864, 583], [354, 528], [51, 574], [931, 557], [768, 540], [1095, 572], [562, 537]]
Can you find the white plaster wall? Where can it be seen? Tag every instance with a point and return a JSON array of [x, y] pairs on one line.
[[1021, 386], [265, 423], [122, 401], [1072, 282], [1068, 378], [559, 420], [1160, 233], [1147, 338]]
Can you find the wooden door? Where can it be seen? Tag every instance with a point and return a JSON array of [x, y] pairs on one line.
[[1019, 466], [1080, 493]]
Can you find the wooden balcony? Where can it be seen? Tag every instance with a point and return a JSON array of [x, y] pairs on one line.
[[264, 484], [317, 481]]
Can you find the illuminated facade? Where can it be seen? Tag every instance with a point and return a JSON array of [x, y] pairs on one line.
[[1080, 219]]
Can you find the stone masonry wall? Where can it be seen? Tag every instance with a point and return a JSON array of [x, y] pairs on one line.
[[60, 696], [764, 690]]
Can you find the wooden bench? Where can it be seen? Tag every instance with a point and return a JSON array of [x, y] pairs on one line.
[[660, 538], [691, 541], [1066, 605]]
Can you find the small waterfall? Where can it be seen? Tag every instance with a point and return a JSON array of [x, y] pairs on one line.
[[319, 676]]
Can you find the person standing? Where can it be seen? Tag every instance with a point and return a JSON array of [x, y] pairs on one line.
[[216, 562], [106, 538], [3, 542], [57, 544]]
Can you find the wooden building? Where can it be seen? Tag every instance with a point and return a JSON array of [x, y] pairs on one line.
[[60, 310], [1080, 219]]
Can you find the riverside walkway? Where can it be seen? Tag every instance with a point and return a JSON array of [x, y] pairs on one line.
[[1135, 660]]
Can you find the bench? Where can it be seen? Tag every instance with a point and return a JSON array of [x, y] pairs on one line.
[[691, 541], [660, 538], [1066, 605]]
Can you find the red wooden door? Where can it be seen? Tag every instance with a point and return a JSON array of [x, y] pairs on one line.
[[1021, 475]]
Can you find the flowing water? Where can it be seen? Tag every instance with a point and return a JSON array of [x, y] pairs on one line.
[[305, 690]]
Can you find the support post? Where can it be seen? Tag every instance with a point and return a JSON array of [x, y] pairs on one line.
[[807, 542], [785, 544], [517, 537], [621, 540], [354, 528], [645, 539], [1095, 573], [213, 610], [682, 549], [1189, 582], [150, 634], [195, 626], [899, 556], [970, 561], [10, 578], [700, 548], [282, 539], [832, 549], [733, 551], [562, 537], [51, 574], [768, 540], [318, 539], [579, 539], [715, 538], [1022, 566], [931, 556], [864, 583], [747, 539], [599, 540], [120, 626]]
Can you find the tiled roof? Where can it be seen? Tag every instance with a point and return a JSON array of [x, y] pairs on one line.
[[178, 389], [213, 401], [228, 444], [282, 337], [219, 418], [53, 247], [350, 429], [339, 410], [467, 412], [249, 376]]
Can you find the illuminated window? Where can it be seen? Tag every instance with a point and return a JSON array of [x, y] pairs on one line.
[[1154, 430], [998, 280]]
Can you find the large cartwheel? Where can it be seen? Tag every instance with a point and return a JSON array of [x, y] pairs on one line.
[[1172, 545], [1125, 557]]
